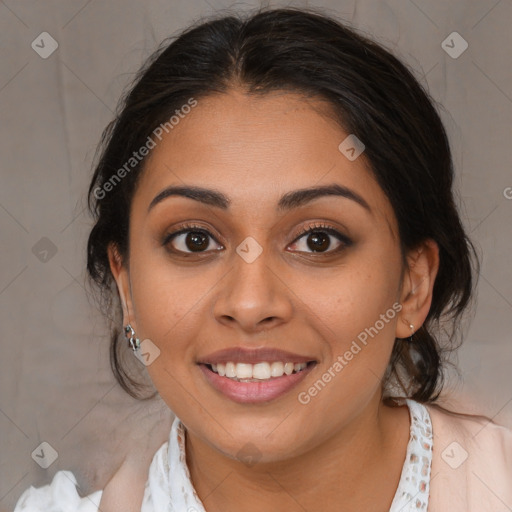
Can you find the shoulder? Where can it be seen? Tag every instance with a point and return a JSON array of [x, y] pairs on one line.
[[60, 495], [126, 490], [480, 434], [137, 483], [129, 484], [471, 463]]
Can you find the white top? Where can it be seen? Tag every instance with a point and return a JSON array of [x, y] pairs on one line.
[[169, 486]]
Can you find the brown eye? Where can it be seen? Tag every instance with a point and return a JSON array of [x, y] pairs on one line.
[[189, 241], [318, 241], [196, 241], [321, 239]]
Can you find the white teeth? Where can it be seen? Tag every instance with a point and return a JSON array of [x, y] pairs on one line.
[[243, 371], [258, 371], [288, 368], [277, 369], [261, 371], [230, 370]]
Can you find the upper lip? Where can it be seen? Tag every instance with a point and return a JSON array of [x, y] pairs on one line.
[[246, 355]]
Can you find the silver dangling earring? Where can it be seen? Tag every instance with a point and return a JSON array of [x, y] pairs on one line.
[[133, 342]]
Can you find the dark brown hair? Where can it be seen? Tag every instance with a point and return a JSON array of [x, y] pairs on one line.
[[371, 93]]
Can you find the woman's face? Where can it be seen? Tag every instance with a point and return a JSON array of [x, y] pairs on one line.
[[246, 280]]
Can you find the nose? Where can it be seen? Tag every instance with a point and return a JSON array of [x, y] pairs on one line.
[[253, 297]]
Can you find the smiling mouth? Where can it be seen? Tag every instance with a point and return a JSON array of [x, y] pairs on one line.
[[259, 382], [259, 372]]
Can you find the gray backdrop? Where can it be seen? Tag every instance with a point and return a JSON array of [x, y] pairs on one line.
[[56, 385]]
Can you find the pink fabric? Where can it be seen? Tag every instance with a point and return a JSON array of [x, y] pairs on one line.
[[471, 464]]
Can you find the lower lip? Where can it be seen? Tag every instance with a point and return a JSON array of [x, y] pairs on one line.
[[254, 392]]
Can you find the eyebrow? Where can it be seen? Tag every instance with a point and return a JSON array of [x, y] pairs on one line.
[[288, 201]]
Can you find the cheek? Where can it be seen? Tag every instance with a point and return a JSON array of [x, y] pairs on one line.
[[352, 296], [357, 329], [167, 299], [168, 310], [356, 322]]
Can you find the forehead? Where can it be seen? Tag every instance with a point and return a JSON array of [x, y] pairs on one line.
[[254, 149], [251, 133]]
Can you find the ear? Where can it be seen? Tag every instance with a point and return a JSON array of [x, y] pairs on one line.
[[122, 277], [417, 287]]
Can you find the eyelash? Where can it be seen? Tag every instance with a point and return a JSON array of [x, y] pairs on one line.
[[186, 228]]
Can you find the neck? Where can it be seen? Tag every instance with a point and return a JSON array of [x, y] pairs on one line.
[[368, 454]]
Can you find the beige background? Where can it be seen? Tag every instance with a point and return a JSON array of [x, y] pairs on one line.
[[55, 379]]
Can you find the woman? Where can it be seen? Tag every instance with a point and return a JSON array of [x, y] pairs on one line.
[[274, 206]]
